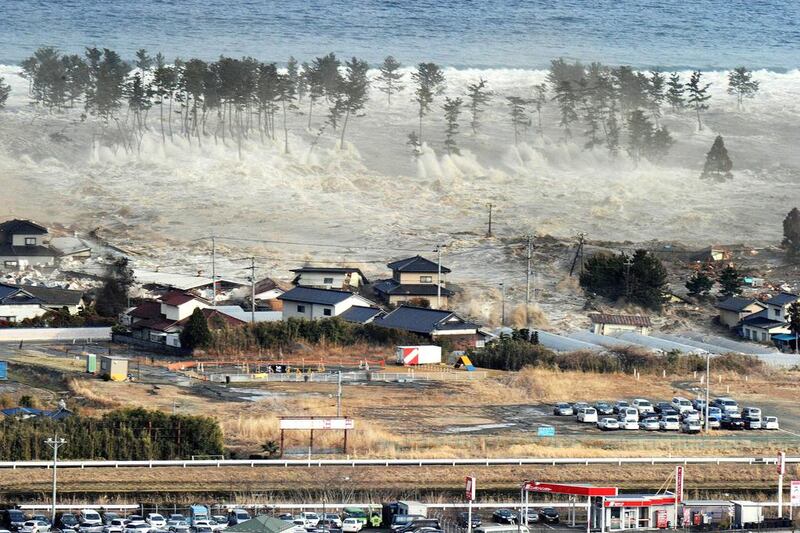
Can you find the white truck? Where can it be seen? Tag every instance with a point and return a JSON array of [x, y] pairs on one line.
[[418, 355], [412, 508]]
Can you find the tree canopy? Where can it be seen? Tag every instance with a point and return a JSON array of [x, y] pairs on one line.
[[718, 164], [640, 279]]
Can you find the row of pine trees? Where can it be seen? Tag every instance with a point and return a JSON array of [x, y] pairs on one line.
[[236, 99]]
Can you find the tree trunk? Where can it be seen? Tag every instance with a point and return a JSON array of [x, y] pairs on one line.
[[285, 131], [344, 127], [161, 118], [310, 108]]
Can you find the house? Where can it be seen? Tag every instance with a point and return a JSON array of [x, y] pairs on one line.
[[434, 324], [778, 305], [735, 308], [24, 244], [610, 324], [267, 291], [361, 315], [18, 302], [312, 304], [760, 327], [245, 315], [339, 278], [24, 413], [416, 280], [169, 281]]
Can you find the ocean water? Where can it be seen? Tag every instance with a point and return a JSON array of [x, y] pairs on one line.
[[708, 34]]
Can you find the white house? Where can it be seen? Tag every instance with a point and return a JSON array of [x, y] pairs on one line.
[[24, 243], [760, 327], [609, 324], [179, 305], [339, 278], [778, 305], [18, 302], [312, 304]]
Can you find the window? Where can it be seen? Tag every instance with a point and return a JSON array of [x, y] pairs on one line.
[[777, 312], [327, 281], [426, 279], [326, 312], [10, 264], [763, 336], [301, 308], [8, 319], [30, 241]]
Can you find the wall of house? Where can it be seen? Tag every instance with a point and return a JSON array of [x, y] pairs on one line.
[[21, 312], [416, 278], [778, 312], [729, 318], [338, 280], [761, 335], [613, 329], [400, 299], [19, 240], [309, 312], [179, 312], [8, 262]]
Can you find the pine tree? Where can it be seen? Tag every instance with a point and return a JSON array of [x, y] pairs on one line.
[[793, 321], [286, 96], [195, 333], [699, 284], [389, 79], [479, 97], [354, 87], [539, 100], [791, 234], [520, 120], [452, 110], [5, 90], [675, 91], [742, 84], [730, 281], [660, 144], [612, 129], [143, 61], [718, 165], [413, 142], [698, 95], [112, 299], [656, 94], [293, 74], [640, 134], [567, 104], [430, 84]]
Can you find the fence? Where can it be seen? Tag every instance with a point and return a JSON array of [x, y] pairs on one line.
[[54, 334], [357, 376]]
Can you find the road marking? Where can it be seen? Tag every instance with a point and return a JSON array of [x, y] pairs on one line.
[[548, 526], [789, 432]]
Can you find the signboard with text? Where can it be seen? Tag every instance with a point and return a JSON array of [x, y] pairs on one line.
[[316, 423], [781, 463], [546, 431], [470, 488], [794, 493], [678, 484]]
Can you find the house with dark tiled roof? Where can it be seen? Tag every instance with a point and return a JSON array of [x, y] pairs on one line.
[[322, 277], [760, 327], [24, 244], [361, 315], [415, 280], [313, 304], [18, 302], [267, 291], [734, 309], [778, 305], [612, 324], [435, 324]]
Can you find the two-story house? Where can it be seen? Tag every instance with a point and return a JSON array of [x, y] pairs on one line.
[[338, 278], [24, 244], [778, 305], [415, 280], [313, 304], [734, 309], [18, 302], [434, 324]]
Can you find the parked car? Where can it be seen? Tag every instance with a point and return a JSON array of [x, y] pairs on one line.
[[464, 518], [751, 417], [504, 516], [628, 414], [137, 526], [608, 424], [41, 518], [577, 406], [335, 518], [690, 425], [67, 521], [201, 529], [643, 406], [752, 423], [681, 404], [156, 521], [770, 422], [549, 515], [563, 409], [310, 519], [286, 517], [419, 524], [588, 415], [532, 515], [699, 404], [691, 415], [117, 525], [603, 408], [620, 404], [14, 519], [108, 517], [35, 526], [177, 516], [713, 410], [670, 423], [219, 522], [299, 526], [731, 422], [352, 525], [649, 424], [660, 406], [401, 520], [713, 422], [727, 405], [177, 526], [91, 527], [629, 424], [325, 525]]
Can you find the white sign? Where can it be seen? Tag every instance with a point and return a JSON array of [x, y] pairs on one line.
[[678, 484], [794, 494], [316, 423], [781, 463], [470, 488]]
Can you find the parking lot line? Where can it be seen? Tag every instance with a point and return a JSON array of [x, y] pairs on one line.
[[789, 432]]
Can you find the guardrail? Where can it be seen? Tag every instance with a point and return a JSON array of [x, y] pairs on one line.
[[359, 375], [353, 463]]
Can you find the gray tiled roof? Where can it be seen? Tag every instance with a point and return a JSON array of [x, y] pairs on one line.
[[420, 320], [416, 264], [783, 298], [54, 296], [390, 286], [315, 296], [361, 315], [736, 303]]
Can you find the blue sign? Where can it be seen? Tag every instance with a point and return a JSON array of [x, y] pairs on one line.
[[546, 431]]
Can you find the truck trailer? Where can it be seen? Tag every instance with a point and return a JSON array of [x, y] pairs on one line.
[[412, 508], [418, 355]]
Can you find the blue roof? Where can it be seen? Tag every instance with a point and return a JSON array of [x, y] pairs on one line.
[[783, 298], [416, 264], [783, 337], [315, 296], [422, 320], [361, 315]]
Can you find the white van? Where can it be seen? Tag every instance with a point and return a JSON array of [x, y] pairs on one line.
[[681, 404], [629, 414], [90, 517], [588, 415], [643, 406]]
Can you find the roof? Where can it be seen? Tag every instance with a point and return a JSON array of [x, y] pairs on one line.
[[212, 314], [316, 296], [783, 298], [390, 286], [178, 298], [147, 309], [416, 264], [157, 324], [332, 270], [789, 337], [53, 296], [246, 316], [620, 320], [422, 320], [762, 320], [178, 281], [6, 250], [261, 524], [268, 284], [58, 414], [737, 304], [361, 315], [10, 295], [22, 227]]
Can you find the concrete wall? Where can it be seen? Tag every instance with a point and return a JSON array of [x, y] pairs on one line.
[[613, 329], [397, 300], [54, 334], [23, 262], [21, 312]]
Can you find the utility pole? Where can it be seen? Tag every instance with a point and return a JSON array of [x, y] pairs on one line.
[[438, 251], [708, 385], [54, 443], [252, 290], [578, 254], [213, 271], [339, 397], [490, 206], [628, 265], [528, 285], [503, 304]]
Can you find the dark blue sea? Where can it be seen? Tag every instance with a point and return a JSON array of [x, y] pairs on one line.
[[708, 34]]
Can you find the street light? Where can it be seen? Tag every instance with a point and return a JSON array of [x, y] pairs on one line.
[[55, 443]]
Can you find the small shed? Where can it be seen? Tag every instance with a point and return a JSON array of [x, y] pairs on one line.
[[610, 324], [261, 524], [91, 363], [114, 368]]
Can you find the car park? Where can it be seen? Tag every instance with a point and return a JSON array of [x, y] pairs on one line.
[[563, 409], [549, 515], [504, 516], [621, 404], [399, 521], [670, 423], [631, 425], [604, 408], [628, 414], [352, 525], [588, 415], [690, 425], [608, 424], [156, 521], [731, 422], [117, 525], [681, 404], [464, 518], [643, 406], [727, 405], [649, 423], [770, 422]]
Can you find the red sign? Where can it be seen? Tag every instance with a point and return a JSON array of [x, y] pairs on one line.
[[661, 519], [781, 463], [575, 490], [679, 483], [639, 502], [470, 488]]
